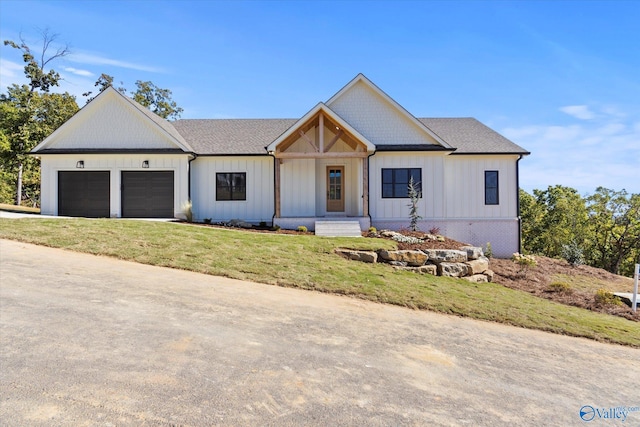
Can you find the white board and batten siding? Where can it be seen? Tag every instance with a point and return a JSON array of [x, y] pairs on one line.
[[297, 188], [376, 118], [452, 198], [464, 186], [432, 203], [110, 123], [259, 203], [51, 164]]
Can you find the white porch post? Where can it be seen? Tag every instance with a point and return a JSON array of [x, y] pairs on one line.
[[277, 183]]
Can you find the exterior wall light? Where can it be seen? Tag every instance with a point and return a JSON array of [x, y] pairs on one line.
[[80, 164], [145, 164]]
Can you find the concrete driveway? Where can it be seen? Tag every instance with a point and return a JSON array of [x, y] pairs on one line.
[[95, 341]]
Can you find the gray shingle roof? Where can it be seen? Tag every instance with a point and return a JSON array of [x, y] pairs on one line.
[[470, 136], [231, 136], [251, 136]]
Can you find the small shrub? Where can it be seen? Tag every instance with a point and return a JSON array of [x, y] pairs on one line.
[[525, 262], [302, 229], [434, 230], [373, 230], [263, 224], [488, 252], [573, 253], [207, 220], [560, 287], [414, 199], [275, 227], [187, 210], [604, 297]]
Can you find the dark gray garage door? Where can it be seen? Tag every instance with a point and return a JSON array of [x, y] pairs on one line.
[[147, 194], [83, 193]]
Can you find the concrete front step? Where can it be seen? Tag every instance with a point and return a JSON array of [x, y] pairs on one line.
[[338, 229]]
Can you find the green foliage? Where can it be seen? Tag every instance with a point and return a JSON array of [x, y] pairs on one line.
[[525, 262], [573, 253], [488, 251], [302, 229], [373, 230], [147, 94], [414, 198], [604, 297], [559, 287], [615, 220], [554, 217], [28, 114], [157, 100], [601, 230]]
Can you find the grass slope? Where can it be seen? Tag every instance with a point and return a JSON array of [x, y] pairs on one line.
[[308, 262]]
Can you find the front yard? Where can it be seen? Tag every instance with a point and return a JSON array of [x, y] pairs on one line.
[[308, 262]]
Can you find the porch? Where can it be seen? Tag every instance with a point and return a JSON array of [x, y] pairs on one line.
[[321, 172]]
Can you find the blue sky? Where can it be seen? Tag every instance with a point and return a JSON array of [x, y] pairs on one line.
[[560, 78]]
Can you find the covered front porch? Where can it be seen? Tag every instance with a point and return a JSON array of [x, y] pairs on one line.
[[321, 172]]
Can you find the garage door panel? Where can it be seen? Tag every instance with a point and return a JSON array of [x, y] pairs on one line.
[[147, 194], [84, 193]]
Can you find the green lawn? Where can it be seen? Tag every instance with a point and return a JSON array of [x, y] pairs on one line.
[[308, 262]]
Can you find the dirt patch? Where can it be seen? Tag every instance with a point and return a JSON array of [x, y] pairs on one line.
[[538, 280]]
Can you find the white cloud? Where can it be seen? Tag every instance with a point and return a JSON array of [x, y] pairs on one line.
[[91, 59], [78, 72], [603, 152], [581, 112]]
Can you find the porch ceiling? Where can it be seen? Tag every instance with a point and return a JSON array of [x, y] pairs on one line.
[[328, 125]]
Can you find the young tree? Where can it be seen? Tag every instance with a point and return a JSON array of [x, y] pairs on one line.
[[414, 199], [29, 113]]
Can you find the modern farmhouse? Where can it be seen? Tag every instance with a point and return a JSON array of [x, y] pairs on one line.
[[349, 158]]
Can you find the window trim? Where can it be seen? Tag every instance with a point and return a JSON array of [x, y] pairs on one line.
[[232, 187], [487, 188], [393, 182]]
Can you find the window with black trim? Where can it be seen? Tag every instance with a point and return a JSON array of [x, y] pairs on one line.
[[395, 182], [231, 186], [491, 188]]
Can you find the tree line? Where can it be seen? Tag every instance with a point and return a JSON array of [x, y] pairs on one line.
[[601, 229], [31, 112]]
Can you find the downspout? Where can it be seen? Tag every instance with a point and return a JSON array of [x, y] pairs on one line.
[[194, 156], [273, 217], [369, 186], [518, 203]]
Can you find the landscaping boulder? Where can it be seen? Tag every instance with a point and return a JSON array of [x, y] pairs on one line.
[[363, 256], [489, 274], [477, 278], [452, 269], [423, 269], [478, 266], [412, 258], [445, 255], [473, 252]]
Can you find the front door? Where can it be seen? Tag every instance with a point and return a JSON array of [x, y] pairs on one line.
[[335, 188]]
